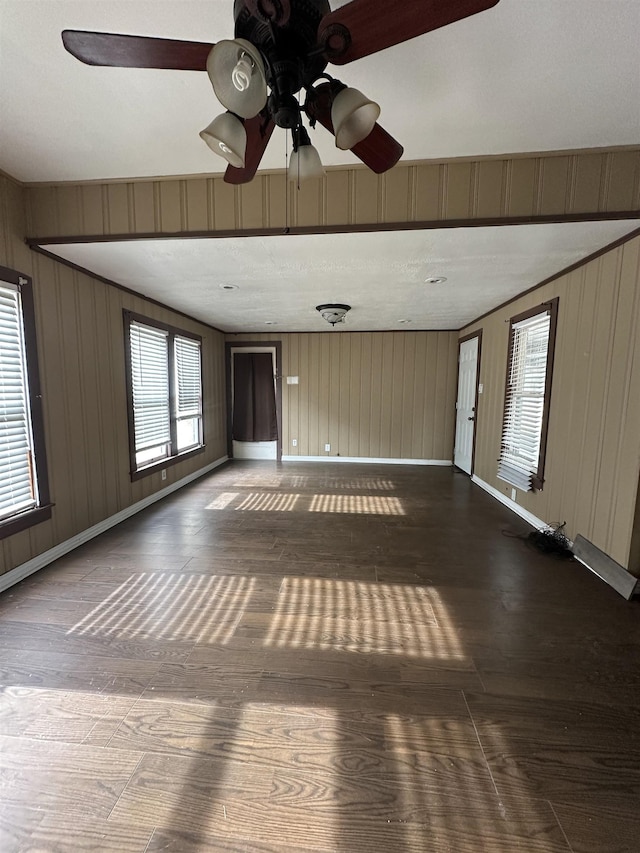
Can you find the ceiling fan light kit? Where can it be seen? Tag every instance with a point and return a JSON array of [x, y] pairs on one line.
[[353, 116], [280, 48], [237, 74], [305, 162], [226, 136]]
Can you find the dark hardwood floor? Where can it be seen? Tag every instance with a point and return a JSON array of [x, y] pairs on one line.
[[314, 657]]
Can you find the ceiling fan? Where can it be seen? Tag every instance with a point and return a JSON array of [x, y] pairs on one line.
[[280, 48]]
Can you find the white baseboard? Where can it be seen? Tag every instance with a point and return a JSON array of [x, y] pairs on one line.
[[367, 459], [23, 571], [255, 450], [529, 517]]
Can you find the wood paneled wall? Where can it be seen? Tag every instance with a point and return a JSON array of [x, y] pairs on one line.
[[565, 184], [593, 453], [394, 389], [384, 395], [81, 354]]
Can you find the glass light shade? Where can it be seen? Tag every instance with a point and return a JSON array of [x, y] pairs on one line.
[[237, 74], [353, 116], [305, 163], [228, 138]]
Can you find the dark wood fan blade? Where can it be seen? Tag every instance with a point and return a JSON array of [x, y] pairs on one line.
[[259, 130], [374, 25], [379, 151], [121, 51]]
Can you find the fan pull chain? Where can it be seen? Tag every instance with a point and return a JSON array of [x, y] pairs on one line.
[[286, 182]]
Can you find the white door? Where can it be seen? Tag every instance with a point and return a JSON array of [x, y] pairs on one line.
[[466, 404]]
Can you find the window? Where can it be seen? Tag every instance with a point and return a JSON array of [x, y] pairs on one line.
[[164, 389], [24, 488], [527, 395]]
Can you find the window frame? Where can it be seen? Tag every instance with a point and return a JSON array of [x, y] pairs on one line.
[[551, 308], [137, 473], [24, 519]]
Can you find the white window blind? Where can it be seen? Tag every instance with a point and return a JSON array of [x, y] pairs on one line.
[[524, 404], [188, 386], [150, 391], [188, 393], [17, 480]]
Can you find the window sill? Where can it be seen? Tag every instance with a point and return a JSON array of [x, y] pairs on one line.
[[25, 520], [166, 463]]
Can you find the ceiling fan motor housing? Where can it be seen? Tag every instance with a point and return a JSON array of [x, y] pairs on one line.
[[285, 32]]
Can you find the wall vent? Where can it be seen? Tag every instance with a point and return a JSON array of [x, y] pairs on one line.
[[607, 569]]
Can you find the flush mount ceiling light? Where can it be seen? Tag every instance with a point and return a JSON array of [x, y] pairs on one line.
[[282, 47], [333, 312], [435, 279], [228, 286]]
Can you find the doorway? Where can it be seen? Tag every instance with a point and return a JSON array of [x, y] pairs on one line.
[[254, 400], [467, 401]]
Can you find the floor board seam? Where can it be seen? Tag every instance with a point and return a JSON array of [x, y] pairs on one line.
[[484, 755], [559, 822]]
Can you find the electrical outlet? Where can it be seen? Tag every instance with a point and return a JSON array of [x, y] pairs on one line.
[[294, 442], [327, 447], [514, 494], [163, 474]]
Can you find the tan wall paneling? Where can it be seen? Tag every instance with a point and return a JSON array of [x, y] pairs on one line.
[[542, 185], [622, 180], [396, 191], [13, 224], [593, 454], [554, 182], [366, 202], [586, 182], [120, 212], [523, 186], [81, 353], [368, 394], [225, 206], [459, 199], [197, 205], [306, 203], [490, 188], [173, 207], [144, 209], [338, 193], [427, 189], [277, 202], [252, 212]]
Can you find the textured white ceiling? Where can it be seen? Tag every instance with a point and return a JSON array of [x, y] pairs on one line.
[[527, 75], [381, 275]]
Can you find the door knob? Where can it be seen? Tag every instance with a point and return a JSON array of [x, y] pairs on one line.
[[472, 418]]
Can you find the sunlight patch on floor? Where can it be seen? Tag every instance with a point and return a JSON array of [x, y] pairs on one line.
[[355, 616], [357, 504], [223, 500], [167, 606], [261, 502], [288, 502]]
